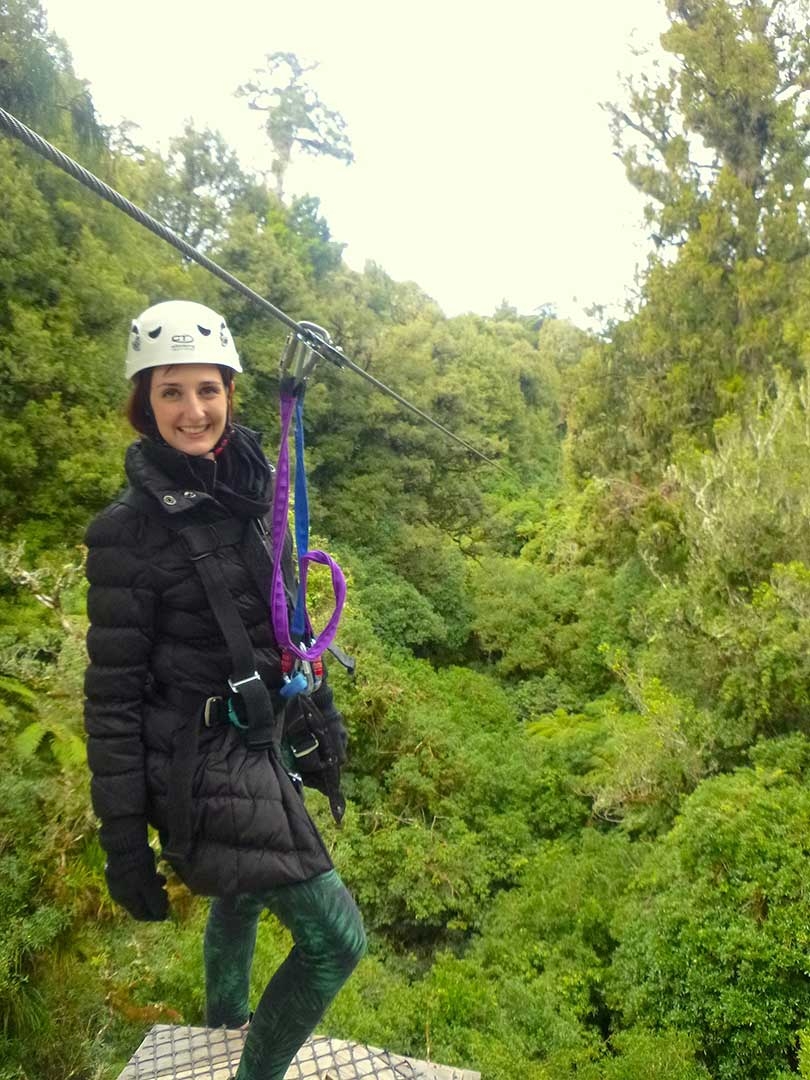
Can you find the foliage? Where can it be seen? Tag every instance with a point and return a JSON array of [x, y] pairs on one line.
[[710, 939], [718, 142], [198, 187], [424, 785], [579, 741]]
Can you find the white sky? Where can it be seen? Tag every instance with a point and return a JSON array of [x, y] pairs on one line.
[[484, 163]]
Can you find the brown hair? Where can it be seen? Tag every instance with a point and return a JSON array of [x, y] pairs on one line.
[[138, 409]]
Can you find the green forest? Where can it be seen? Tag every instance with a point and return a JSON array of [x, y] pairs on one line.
[[579, 812]]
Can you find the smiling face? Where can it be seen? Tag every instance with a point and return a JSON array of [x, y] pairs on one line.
[[190, 406]]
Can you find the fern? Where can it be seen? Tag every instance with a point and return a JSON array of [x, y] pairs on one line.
[[15, 693], [30, 739]]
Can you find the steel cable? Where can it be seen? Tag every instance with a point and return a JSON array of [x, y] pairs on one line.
[[20, 131]]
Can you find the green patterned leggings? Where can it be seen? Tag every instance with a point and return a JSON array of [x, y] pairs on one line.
[[329, 940]]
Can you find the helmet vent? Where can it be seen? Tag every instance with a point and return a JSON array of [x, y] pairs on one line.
[[155, 333], [204, 330]]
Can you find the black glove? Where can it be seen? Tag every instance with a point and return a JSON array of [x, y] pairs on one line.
[[135, 884]]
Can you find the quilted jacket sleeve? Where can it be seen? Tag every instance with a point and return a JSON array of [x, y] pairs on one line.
[[121, 606]]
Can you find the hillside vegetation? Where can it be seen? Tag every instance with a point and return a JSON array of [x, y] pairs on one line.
[[579, 810]]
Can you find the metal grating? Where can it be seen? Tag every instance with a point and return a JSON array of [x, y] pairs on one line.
[[186, 1053]]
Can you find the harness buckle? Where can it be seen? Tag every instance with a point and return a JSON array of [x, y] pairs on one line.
[[241, 682], [307, 749], [209, 705]]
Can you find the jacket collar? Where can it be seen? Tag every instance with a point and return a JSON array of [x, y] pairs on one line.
[[180, 482]]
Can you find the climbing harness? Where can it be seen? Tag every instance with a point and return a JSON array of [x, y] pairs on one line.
[[250, 706]]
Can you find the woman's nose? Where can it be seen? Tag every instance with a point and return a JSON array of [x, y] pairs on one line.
[[194, 405]]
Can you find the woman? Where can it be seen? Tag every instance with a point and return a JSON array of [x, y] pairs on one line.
[[171, 741]]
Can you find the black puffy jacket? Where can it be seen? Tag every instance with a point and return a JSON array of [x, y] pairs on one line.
[[157, 653]]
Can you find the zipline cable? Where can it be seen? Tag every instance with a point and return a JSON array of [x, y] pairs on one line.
[[41, 146], [18, 130]]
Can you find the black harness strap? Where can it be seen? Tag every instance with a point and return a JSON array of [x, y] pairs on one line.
[[202, 542], [343, 658]]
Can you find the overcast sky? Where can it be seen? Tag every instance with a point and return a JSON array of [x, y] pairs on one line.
[[484, 163]]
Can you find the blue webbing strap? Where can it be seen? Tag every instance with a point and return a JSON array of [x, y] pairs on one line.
[[301, 511]]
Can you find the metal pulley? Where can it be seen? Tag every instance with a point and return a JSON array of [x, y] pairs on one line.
[[300, 355]]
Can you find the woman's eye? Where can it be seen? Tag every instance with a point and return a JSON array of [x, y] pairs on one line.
[[169, 392], [210, 391]]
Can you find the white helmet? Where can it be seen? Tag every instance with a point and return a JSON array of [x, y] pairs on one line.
[[179, 332]]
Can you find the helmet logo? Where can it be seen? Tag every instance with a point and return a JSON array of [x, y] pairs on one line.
[[182, 339]]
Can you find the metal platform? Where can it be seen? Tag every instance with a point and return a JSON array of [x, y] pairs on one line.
[[170, 1052]]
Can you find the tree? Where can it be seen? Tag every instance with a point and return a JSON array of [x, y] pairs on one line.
[[729, 122], [322, 252], [719, 144], [713, 933], [295, 114], [195, 190], [37, 84]]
